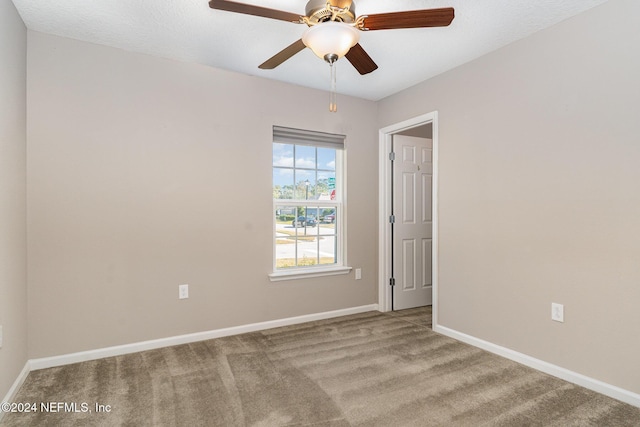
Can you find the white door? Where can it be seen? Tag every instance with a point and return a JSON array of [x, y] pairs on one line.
[[412, 230]]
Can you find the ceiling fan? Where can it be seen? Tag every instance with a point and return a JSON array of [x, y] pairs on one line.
[[333, 30]]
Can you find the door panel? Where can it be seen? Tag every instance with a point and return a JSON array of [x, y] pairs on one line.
[[427, 180], [426, 266], [413, 177], [408, 264], [409, 198]]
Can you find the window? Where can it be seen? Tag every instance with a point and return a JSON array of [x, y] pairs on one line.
[[308, 203]]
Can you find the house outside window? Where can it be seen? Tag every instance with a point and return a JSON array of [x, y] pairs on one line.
[[308, 203]]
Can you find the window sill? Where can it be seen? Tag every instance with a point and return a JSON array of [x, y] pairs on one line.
[[307, 273]]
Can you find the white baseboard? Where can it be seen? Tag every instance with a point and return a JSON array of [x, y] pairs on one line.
[[548, 368], [67, 359], [13, 391]]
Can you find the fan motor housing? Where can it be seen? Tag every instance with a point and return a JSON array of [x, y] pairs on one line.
[[317, 11]]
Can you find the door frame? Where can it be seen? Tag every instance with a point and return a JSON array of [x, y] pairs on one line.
[[384, 208]]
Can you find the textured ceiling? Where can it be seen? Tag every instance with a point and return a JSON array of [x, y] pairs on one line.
[[188, 30]]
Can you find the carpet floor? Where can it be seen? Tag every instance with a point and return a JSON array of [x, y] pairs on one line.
[[369, 369]]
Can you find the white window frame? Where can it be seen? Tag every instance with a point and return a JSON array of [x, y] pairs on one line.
[[316, 139]]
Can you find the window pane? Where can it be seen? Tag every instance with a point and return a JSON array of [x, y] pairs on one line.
[[283, 183], [285, 236], [283, 155], [307, 254], [305, 157], [328, 238], [328, 250], [326, 185], [326, 158], [300, 214], [312, 213], [306, 222], [308, 241], [284, 215], [327, 219], [305, 184]]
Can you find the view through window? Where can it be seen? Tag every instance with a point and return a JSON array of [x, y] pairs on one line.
[[307, 182]]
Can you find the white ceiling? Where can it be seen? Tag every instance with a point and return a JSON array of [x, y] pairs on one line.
[[188, 30]]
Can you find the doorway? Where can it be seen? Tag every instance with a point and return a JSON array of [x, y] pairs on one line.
[[421, 126], [411, 224]]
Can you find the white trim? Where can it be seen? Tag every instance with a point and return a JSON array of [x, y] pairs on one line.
[[304, 273], [435, 235], [384, 211], [384, 208], [601, 387], [13, 391], [312, 203], [66, 359]]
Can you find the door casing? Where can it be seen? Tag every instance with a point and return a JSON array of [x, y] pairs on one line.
[[384, 208]]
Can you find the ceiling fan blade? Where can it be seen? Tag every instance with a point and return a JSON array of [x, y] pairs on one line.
[[410, 19], [282, 56], [361, 60], [248, 9]]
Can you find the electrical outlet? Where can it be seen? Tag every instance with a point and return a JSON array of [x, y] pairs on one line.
[[183, 291], [557, 312], [358, 273]]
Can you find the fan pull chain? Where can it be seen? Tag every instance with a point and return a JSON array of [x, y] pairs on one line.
[[333, 103]]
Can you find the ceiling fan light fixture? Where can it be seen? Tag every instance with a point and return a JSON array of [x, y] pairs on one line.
[[330, 39]]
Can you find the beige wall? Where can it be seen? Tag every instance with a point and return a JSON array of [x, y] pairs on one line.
[[13, 263], [146, 173], [540, 192]]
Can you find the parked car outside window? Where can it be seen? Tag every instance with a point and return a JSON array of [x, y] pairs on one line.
[[304, 222], [331, 218]]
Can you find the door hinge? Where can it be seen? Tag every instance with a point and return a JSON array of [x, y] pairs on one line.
[[392, 156], [392, 219], [392, 281]]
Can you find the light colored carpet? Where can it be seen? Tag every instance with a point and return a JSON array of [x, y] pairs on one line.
[[370, 369]]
